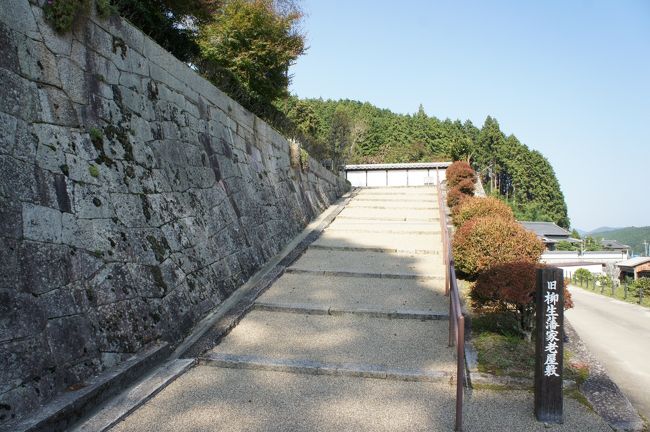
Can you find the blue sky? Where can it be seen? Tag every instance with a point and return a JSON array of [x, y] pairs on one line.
[[568, 78]]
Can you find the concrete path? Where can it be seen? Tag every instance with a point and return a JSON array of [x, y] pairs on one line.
[[352, 337], [618, 334], [358, 304]]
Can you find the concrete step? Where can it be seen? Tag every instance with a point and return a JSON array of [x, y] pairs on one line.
[[386, 242], [370, 264], [237, 400], [369, 225], [373, 312], [390, 214], [430, 200], [311, 367], [395, 343], [402, 191], [345, 292], [372, 203]]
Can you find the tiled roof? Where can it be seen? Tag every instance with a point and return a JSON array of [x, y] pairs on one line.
[[544, 229], [614, 244], [633, 262]]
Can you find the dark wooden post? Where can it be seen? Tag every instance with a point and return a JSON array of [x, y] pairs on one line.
[[549, 349]]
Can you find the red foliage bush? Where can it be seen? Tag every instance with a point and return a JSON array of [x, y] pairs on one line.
[[485, 242], [477, 207], [455, 197], [509, 283], [466, 186], [459, 171], [511, 287]]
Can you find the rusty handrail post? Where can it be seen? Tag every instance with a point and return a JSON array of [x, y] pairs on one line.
[[456, 318], [460, 373]]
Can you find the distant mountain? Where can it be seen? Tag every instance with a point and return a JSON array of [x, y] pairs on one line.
[[603, 230], [631, 236]]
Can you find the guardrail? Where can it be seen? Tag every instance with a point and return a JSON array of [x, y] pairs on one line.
[[456, 319]]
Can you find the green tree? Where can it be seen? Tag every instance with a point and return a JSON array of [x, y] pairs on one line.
[[171, 23], [253, 43], [564, 245], [583, 275], [340, 135]]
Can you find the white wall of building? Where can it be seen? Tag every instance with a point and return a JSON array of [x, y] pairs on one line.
[[556, 258], [383, 175], [569, 270], [397, 177]]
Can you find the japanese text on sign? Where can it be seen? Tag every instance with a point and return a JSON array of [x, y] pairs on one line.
[[551, 330]]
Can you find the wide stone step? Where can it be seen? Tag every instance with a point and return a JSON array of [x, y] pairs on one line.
[[396, 343], [379, 226], [311, 367], [345, 293], [429, 199], [370, 264], [403, 191], [390, 214], [373, 203], [386, 242], [238, 400]]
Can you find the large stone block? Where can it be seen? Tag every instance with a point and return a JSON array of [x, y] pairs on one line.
[[20, 316], [41, 223], [71, 339], [38, 274], [18, 16], [18, 96]]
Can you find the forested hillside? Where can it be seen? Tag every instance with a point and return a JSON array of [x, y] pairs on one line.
[[346, 131], [631, 236]]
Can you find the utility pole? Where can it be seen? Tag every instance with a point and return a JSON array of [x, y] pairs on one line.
[[646, 249]]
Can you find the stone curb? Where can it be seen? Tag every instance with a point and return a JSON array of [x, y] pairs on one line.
[[310, 309], [311, 367], [373, 249], [136, 396], [69, 407], [602, 393], [217, 325], [508, 382], [364, 275]]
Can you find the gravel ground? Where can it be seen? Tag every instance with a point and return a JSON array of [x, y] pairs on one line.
[[213, 399]]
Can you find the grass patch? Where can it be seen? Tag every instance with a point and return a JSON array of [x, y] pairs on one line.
[[504, 355], [575, 394]]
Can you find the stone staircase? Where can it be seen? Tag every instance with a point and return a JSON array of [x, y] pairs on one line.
[[353, 335]]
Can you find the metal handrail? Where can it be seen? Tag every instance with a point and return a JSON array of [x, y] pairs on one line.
[[456, 319]]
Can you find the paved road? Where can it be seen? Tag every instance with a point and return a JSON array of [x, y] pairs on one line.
[[618, 334]]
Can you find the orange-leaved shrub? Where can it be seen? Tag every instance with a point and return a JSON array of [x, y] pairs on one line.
[[510, 288], [466, 186], [454, 197], [459, 171], [488, 241], [477, 207]]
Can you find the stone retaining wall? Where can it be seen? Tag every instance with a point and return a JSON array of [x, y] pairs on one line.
[[134, 198]]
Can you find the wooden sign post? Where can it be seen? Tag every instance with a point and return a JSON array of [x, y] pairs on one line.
[[549, 350]]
